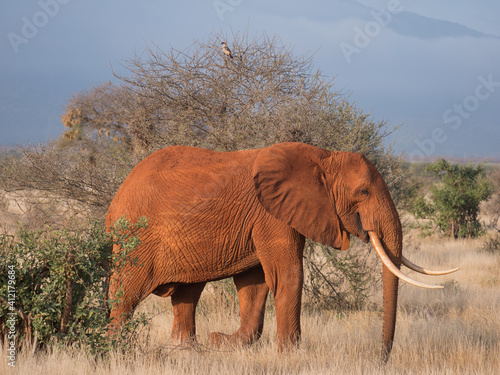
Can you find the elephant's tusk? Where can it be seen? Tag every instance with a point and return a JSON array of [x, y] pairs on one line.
[[379, 248], [425, 271]]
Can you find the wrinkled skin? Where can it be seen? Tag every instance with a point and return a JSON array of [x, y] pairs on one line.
[[245, 215]]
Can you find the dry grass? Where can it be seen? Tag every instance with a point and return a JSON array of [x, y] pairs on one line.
[[454, 331]]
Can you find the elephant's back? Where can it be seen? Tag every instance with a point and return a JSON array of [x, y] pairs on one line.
[[181, 159], [177, 178], [171, 159]]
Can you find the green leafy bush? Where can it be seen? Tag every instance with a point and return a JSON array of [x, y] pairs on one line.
[[453, 204], [54, 283]]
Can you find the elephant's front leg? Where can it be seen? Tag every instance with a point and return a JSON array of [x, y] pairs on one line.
[[281, 257], [286, 285], [184, 301], [252, 295]]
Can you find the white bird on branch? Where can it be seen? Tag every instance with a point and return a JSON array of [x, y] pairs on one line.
[[226, 50]]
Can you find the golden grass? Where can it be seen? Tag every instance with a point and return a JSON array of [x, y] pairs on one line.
[[453, 331]]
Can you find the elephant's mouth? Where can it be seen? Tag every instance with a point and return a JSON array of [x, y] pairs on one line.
[[362, 234]]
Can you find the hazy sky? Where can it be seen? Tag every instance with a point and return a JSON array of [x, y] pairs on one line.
[[430, 67]]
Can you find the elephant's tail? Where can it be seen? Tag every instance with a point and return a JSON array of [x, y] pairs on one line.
[[107, 265]]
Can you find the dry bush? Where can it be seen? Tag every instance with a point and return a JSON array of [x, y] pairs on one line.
[[490, 210], [340, 281], [54, 183], [198, 97]]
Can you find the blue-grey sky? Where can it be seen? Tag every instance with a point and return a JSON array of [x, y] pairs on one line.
[[430, 67]]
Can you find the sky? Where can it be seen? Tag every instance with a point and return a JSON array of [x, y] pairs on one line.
[[430, 69]]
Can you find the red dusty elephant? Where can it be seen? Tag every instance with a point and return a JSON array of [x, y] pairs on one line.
[[245, 214]]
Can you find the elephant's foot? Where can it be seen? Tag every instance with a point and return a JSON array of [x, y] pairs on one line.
[[183, 338], [186, 344], [217, 340]]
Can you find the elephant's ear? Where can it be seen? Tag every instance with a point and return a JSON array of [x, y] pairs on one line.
[[292, 187]]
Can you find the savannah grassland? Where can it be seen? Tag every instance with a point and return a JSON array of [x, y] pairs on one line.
[[455, 330], [450, 331]]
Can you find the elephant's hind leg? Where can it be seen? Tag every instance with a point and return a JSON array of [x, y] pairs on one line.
[[184, 300], [252, 295]]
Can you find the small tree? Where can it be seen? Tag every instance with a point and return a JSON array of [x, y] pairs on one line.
[[454, 203]]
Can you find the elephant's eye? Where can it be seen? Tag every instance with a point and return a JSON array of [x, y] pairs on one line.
[[364, 192]]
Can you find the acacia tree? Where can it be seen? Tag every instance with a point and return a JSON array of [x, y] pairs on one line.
[[200, 97], [454, 204]]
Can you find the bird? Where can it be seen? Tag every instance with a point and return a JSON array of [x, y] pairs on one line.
[[226, 50]]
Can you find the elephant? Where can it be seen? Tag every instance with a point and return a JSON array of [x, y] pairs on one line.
[[245, 214]]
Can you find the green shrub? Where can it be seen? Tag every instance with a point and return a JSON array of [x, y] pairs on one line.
[[54, 284], [453, 204]]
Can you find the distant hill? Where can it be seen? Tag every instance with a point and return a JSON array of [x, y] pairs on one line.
[[412, 24], [456, 159]]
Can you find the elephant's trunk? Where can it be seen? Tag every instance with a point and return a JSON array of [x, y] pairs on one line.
[[389, 249], [390, 285]]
